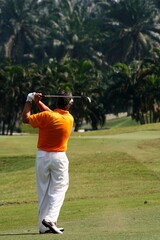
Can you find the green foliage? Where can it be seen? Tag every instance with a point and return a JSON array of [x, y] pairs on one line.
[[70, 44], [136, 87], [13, 87], [81, 77], [19, 29], [133, 30], [35, 31]]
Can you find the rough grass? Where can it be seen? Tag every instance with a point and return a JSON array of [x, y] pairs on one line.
[[114, 188]]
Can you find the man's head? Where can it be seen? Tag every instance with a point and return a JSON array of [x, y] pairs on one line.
[[66, 102]]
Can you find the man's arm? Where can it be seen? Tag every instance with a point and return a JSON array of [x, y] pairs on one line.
[[36, 97], [26, 112], [42, 107], [27, 107]]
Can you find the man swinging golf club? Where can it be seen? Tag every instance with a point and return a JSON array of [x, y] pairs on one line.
[[51, 161]]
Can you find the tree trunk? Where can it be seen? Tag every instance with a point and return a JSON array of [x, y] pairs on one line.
[[9, 46], [3, 128]]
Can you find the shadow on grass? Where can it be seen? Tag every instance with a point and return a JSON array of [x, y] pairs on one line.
[[11, 164], [18, 234]]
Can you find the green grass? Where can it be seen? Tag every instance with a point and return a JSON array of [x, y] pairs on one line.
[[109, 124], [120, 122], [114, 123], [114, 188]]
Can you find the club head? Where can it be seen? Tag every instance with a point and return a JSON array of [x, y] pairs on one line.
[[89, 99], [86, 99]]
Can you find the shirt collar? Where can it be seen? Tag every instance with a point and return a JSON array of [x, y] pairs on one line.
[[60, 111]]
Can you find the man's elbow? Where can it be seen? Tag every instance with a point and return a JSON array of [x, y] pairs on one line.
[[25, 119]]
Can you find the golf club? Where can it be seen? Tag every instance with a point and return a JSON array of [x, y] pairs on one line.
[[60, 96]]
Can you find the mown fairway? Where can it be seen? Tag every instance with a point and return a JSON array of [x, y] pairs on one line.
[[114, 188]]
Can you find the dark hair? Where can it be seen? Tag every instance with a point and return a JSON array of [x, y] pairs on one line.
[[64, 103]]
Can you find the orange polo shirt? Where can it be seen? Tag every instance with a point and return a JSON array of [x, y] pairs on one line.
[[54, 129]]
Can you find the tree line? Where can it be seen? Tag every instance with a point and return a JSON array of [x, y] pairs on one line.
[[108, 50]]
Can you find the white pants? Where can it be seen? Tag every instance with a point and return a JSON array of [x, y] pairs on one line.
[[52, 183]]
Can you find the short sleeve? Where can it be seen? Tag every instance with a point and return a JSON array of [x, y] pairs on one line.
[[38, 120]]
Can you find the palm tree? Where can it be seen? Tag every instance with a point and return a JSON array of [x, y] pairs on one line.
[[87, 81], [121, 87], [131, 30], [13, 89], [138, 84], [71, 29], [20, 29], [157, 3]]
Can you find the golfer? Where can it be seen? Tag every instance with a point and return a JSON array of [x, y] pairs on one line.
[[51, 161]]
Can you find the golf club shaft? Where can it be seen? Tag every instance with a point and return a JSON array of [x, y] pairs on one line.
[[60, 96]]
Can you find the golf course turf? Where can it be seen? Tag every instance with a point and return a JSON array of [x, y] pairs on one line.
[[114, 190]]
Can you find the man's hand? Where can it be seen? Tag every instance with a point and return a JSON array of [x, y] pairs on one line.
[[30, 97], [37, 97]]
